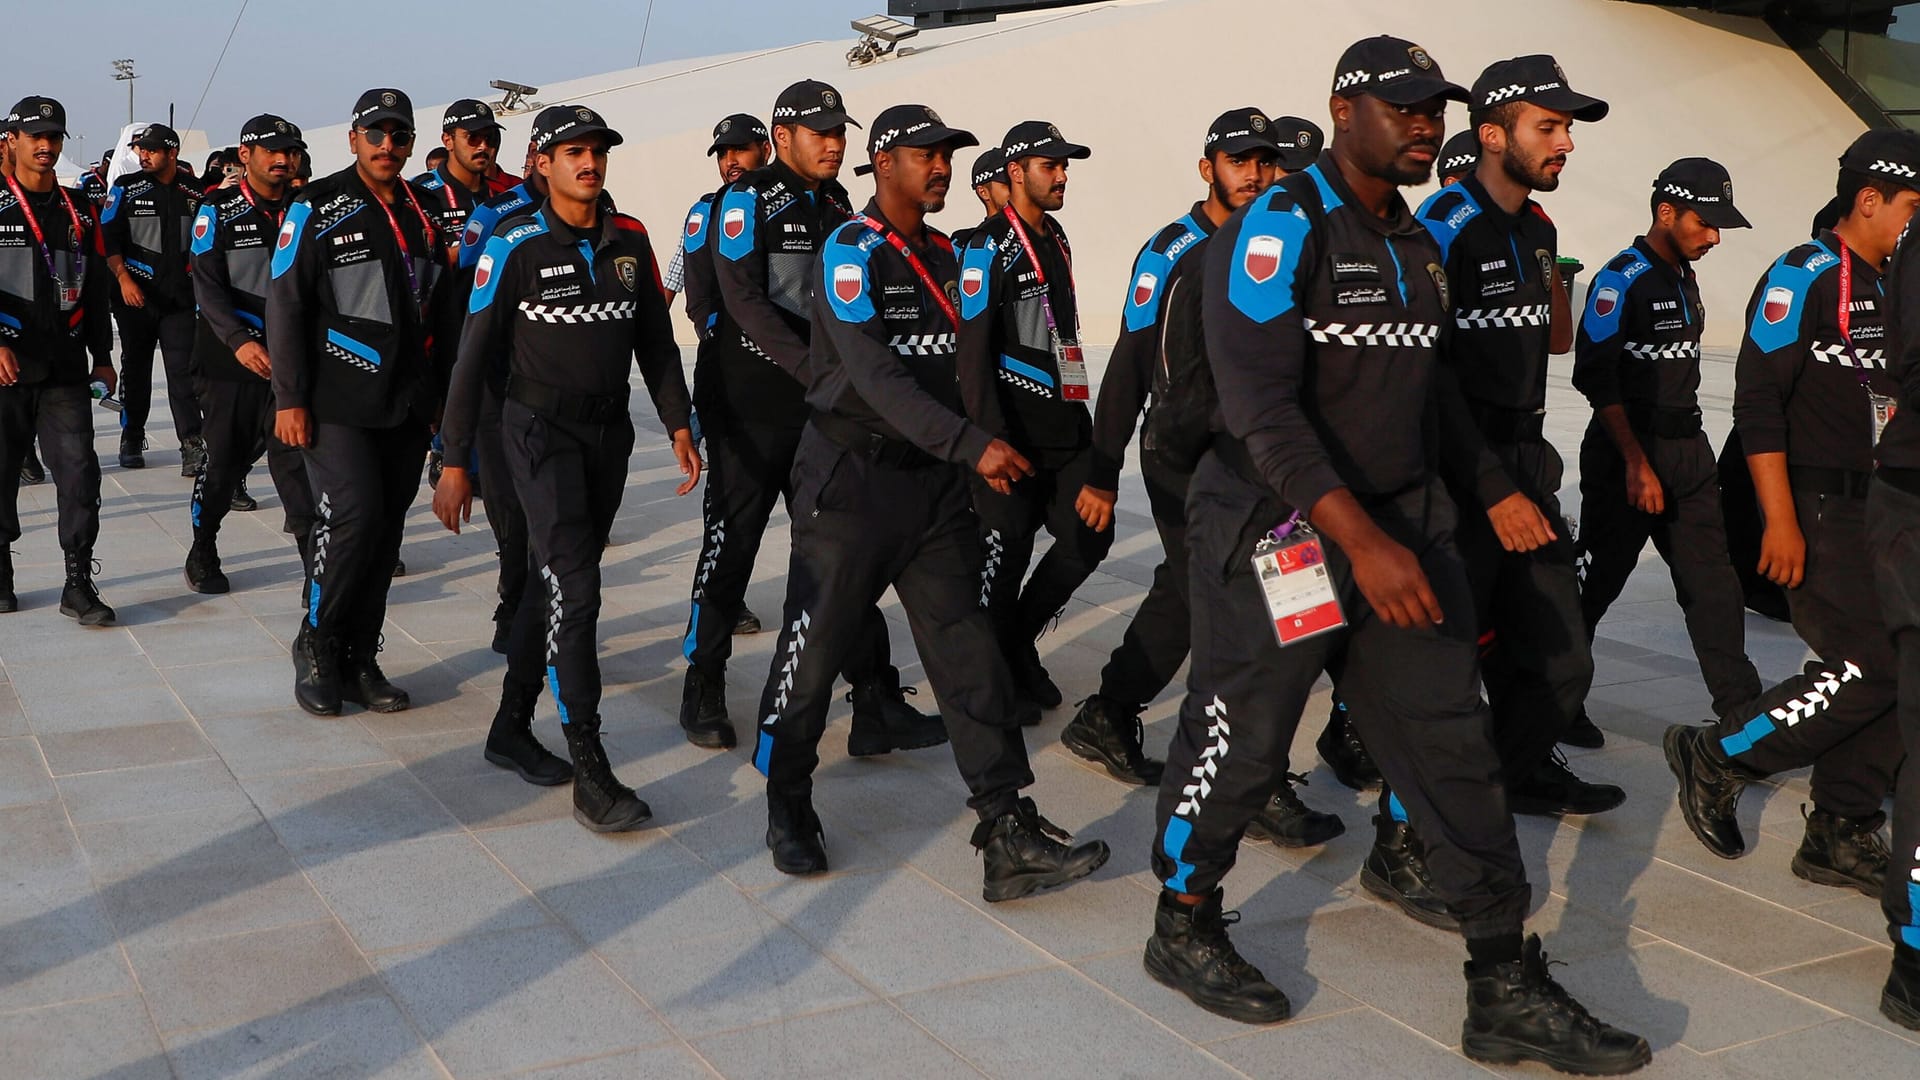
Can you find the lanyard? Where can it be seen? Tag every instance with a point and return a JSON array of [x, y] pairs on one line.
[[247, 193], [1846, 315], [1040, 273], [406, 253], [46, 253], [926, 279]]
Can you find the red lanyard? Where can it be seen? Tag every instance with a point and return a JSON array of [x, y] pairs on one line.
[[926, 279], [247, 193], [406, 253], [1846, 314], [46, 253], [1040, 275]]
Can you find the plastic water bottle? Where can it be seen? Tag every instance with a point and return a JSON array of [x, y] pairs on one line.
[[105, 398]]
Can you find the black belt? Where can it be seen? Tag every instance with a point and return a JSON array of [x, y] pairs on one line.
[[1664, 423], [558, 404], [875, 447], [1907, 480], [1808, 480], [1502, 425]]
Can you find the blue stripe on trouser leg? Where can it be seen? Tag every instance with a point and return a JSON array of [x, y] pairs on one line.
[[553, 684], [1395, 809], [1816, 700], [553, 639], [794, 642], [1179, 827], [693, 632], [1910, 933], [321, 531]]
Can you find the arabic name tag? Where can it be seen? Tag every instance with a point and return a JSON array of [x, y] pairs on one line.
[[1298, 589], [1883, 409], [1073, 371]]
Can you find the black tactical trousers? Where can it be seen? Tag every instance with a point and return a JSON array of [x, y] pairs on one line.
[[1690, 535], [1155, 644], [238, 424], [1893, 538], [1414, 697], [505, 516], [141, 331], [1010, 523], [61, 417], [363, 479], [858, 527], [1838, 714]]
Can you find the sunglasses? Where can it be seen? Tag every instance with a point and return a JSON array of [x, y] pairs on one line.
[[402, 137], [489, 137]]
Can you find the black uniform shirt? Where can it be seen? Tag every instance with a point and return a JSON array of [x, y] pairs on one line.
[[1797, 386], [1639, 339], [698, 285], [51, 335], [1900, 446], [1009, 376], [233, 238], [147, 224], [884, 344]]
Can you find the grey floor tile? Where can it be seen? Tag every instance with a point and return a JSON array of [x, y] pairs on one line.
[[238, 686], [223, 982], [657, 1063], [1672, 996], [90, 708], [123, 747], [289, 740], [865, 1042], [1384, 959], [23, 773], [1053, 1023], [109, 1037], [423, 890], [1850, 984], [510, 1001], [359, 1037], [549, 853], [1842, 1044], [650, 910], [13, 716], [207, 641], [151, 790], [1358, 1042], [753, 974], [334, 812], [859, 919]]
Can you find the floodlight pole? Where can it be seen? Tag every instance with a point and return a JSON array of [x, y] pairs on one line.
[[124, 73]]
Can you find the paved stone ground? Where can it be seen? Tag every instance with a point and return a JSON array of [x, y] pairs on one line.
[[198, 880]]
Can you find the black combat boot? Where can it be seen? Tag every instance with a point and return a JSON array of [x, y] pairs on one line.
[[1190, 952], [703, 707], [747, 623], [1396, 871], [511, 745], [1107, 731], [884, 722], [794, 835], [1516, 1012], [1848, 853], [600, 801], [133, 451], [31, 471], [1341, 749], [9, 600], [363, 683], [1552, 791], [80, 600], [1286, 822], [242, 501], [1583, 733], [1710, 788], [1031, 678], [1900, 998], [316, 672], [203, 571], [1025, 853]]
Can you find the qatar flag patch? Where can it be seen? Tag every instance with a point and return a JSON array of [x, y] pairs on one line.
[[1262, 259], [734, 223], [1143, 289], [483, 272], [1606, 301], [694, 223], [971, 280], [287, 232], [1776, 304], [848, 282]]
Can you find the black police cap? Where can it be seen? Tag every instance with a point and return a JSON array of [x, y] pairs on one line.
[[156, 137], [912, 125], [1394, 70], [1237, 131], [813, 105], [1538, 79], [1893, 156], [562, 123], [1703, 186], [38, 116], [271, 132], [469, 114], [381, 104], [1300, 139], [1037, 138], [1460, 155], [739, 129], [990, 167]]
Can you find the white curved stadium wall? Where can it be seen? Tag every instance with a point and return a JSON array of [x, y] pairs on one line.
[[1139, 80]]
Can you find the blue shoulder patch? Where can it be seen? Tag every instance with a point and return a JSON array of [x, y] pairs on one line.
[[738, 208], [1328, 200], [976, 275], [697, 227], [430, 180], [1152, 269], [205, 225], [493, 261], [1607, 296], [287, 245], [112, 209], [845, 271], [1783, 297], [1445, 213], [1266, 255], [481, 221]]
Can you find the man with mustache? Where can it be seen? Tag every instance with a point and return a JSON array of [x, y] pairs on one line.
[[752, 406], [1647, 471], [145, 223], [232, 251], [990, 187], [1321, 539], [1024, 379], [353, 270], [54, 313], [570, 294], [1511, 310], [880, 499], [1241, 158]]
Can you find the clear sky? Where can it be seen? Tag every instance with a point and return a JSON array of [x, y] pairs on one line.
[[308, 59]]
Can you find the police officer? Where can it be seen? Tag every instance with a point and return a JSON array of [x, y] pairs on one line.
[[54, 298], [750, 397], [1811, 395], [232, 251], [1024, 378], [353, 386], [990, 187], [470, 133], [879, 501], [94, 183], [1459, 157], [571, 293], [1241, 158], [1647, 470], [1324, 407], [146, 221], [1893, 524]]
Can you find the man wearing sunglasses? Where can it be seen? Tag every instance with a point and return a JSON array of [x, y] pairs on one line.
[[347, 327], [471, 136]]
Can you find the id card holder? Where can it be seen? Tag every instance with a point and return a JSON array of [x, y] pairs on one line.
[[1883, 409], [69, 296], [1072, 363], [1298, 589]]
